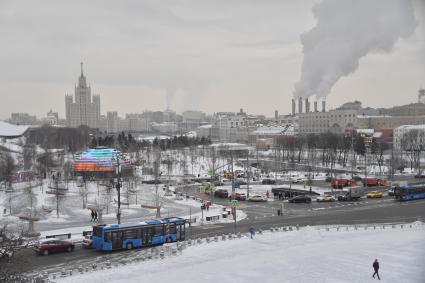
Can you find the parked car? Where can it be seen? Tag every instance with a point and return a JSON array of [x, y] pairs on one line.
[[87, 242], [375, 194], [357, 178], [53, 246], [351, 194], [239, 196], [297, 180], [221, 193], [257, 198], [268, 182], [325, 198], [301, 198]]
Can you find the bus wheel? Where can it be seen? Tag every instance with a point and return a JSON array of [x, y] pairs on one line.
[[129, 246]]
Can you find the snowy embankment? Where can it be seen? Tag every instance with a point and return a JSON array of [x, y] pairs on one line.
[[308, 255]]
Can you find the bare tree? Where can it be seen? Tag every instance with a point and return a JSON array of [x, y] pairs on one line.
[[10, 265], [7, 167], [413, 144]]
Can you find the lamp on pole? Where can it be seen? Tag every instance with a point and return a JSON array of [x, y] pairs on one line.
[[118, 184]]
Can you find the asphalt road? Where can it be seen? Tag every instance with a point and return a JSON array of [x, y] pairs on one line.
[[383, 212]]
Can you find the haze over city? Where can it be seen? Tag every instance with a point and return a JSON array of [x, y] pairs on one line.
[[191, 55]]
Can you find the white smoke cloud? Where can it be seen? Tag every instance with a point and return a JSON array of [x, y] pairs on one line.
[[346, 31]]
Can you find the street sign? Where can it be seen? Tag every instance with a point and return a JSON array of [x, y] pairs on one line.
[[234, 203], [202, 189]]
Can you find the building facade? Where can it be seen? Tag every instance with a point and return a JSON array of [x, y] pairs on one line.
[[83, 109], [399, 133], [337, 121]]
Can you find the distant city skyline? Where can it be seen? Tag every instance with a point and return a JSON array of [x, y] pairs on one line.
[[186, 55]]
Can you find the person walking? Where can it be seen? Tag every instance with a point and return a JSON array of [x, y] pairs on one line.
[[251, 232], [95, 215], [376, 268], [92, 216]]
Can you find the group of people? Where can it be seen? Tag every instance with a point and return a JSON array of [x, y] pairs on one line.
[[205, 205], [94, 216]]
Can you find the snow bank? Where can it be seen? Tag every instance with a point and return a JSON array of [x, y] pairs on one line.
[[308, 255]]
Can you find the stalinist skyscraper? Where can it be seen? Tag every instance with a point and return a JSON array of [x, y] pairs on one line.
[[84, 111]]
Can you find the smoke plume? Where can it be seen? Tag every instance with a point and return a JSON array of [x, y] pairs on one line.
[[346, 31]]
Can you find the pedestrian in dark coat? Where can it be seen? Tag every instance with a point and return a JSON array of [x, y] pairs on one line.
[[95, 215], [92, 216], [376, 268], [251, 231]]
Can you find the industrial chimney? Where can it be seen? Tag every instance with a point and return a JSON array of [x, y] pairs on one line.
[[323, 106], [315, 106], [300, 105], [276, 115], [293, 107], [307, 105]]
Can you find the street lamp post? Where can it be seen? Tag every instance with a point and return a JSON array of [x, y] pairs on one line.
[[118, 185]]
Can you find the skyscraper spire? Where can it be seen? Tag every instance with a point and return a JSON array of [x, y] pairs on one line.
[[82, 69]]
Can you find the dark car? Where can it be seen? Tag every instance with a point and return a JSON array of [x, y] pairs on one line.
[[357, 178], [268, 182], [301, 198], [221, 193], [53, 246], [239, 196]]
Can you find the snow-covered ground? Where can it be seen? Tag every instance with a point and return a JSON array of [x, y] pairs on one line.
[[308, 255]]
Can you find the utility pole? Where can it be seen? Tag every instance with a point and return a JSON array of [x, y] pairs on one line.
[[156, 171], [57, 197], [118, 186], [233, 191], [248, 173], [213, 175]]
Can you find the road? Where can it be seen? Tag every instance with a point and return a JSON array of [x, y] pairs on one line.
[[384, 212]]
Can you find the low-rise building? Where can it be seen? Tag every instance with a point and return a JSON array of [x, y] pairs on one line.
[[401, 131]]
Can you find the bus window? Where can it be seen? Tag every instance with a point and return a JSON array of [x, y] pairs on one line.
[[172, 228], [159, 230], [129, 234], [108, 237], [96, 231]]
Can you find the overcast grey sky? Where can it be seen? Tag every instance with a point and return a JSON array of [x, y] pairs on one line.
[[208, 55]]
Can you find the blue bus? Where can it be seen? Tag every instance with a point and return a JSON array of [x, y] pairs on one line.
[[410, 191], [135, 235]]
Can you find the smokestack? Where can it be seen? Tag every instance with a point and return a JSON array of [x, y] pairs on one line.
[[323, 105], [307, 105], [276, 115], [315, 106], [293, 107], [300, 105]]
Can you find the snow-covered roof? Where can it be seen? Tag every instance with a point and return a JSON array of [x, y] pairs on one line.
[[275, 130], [411, 127], [365, 131], [10, 130], [152, 138], [205, 126]]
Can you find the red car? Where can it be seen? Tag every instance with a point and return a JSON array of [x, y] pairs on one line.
[[53, 246], [239, 196]]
